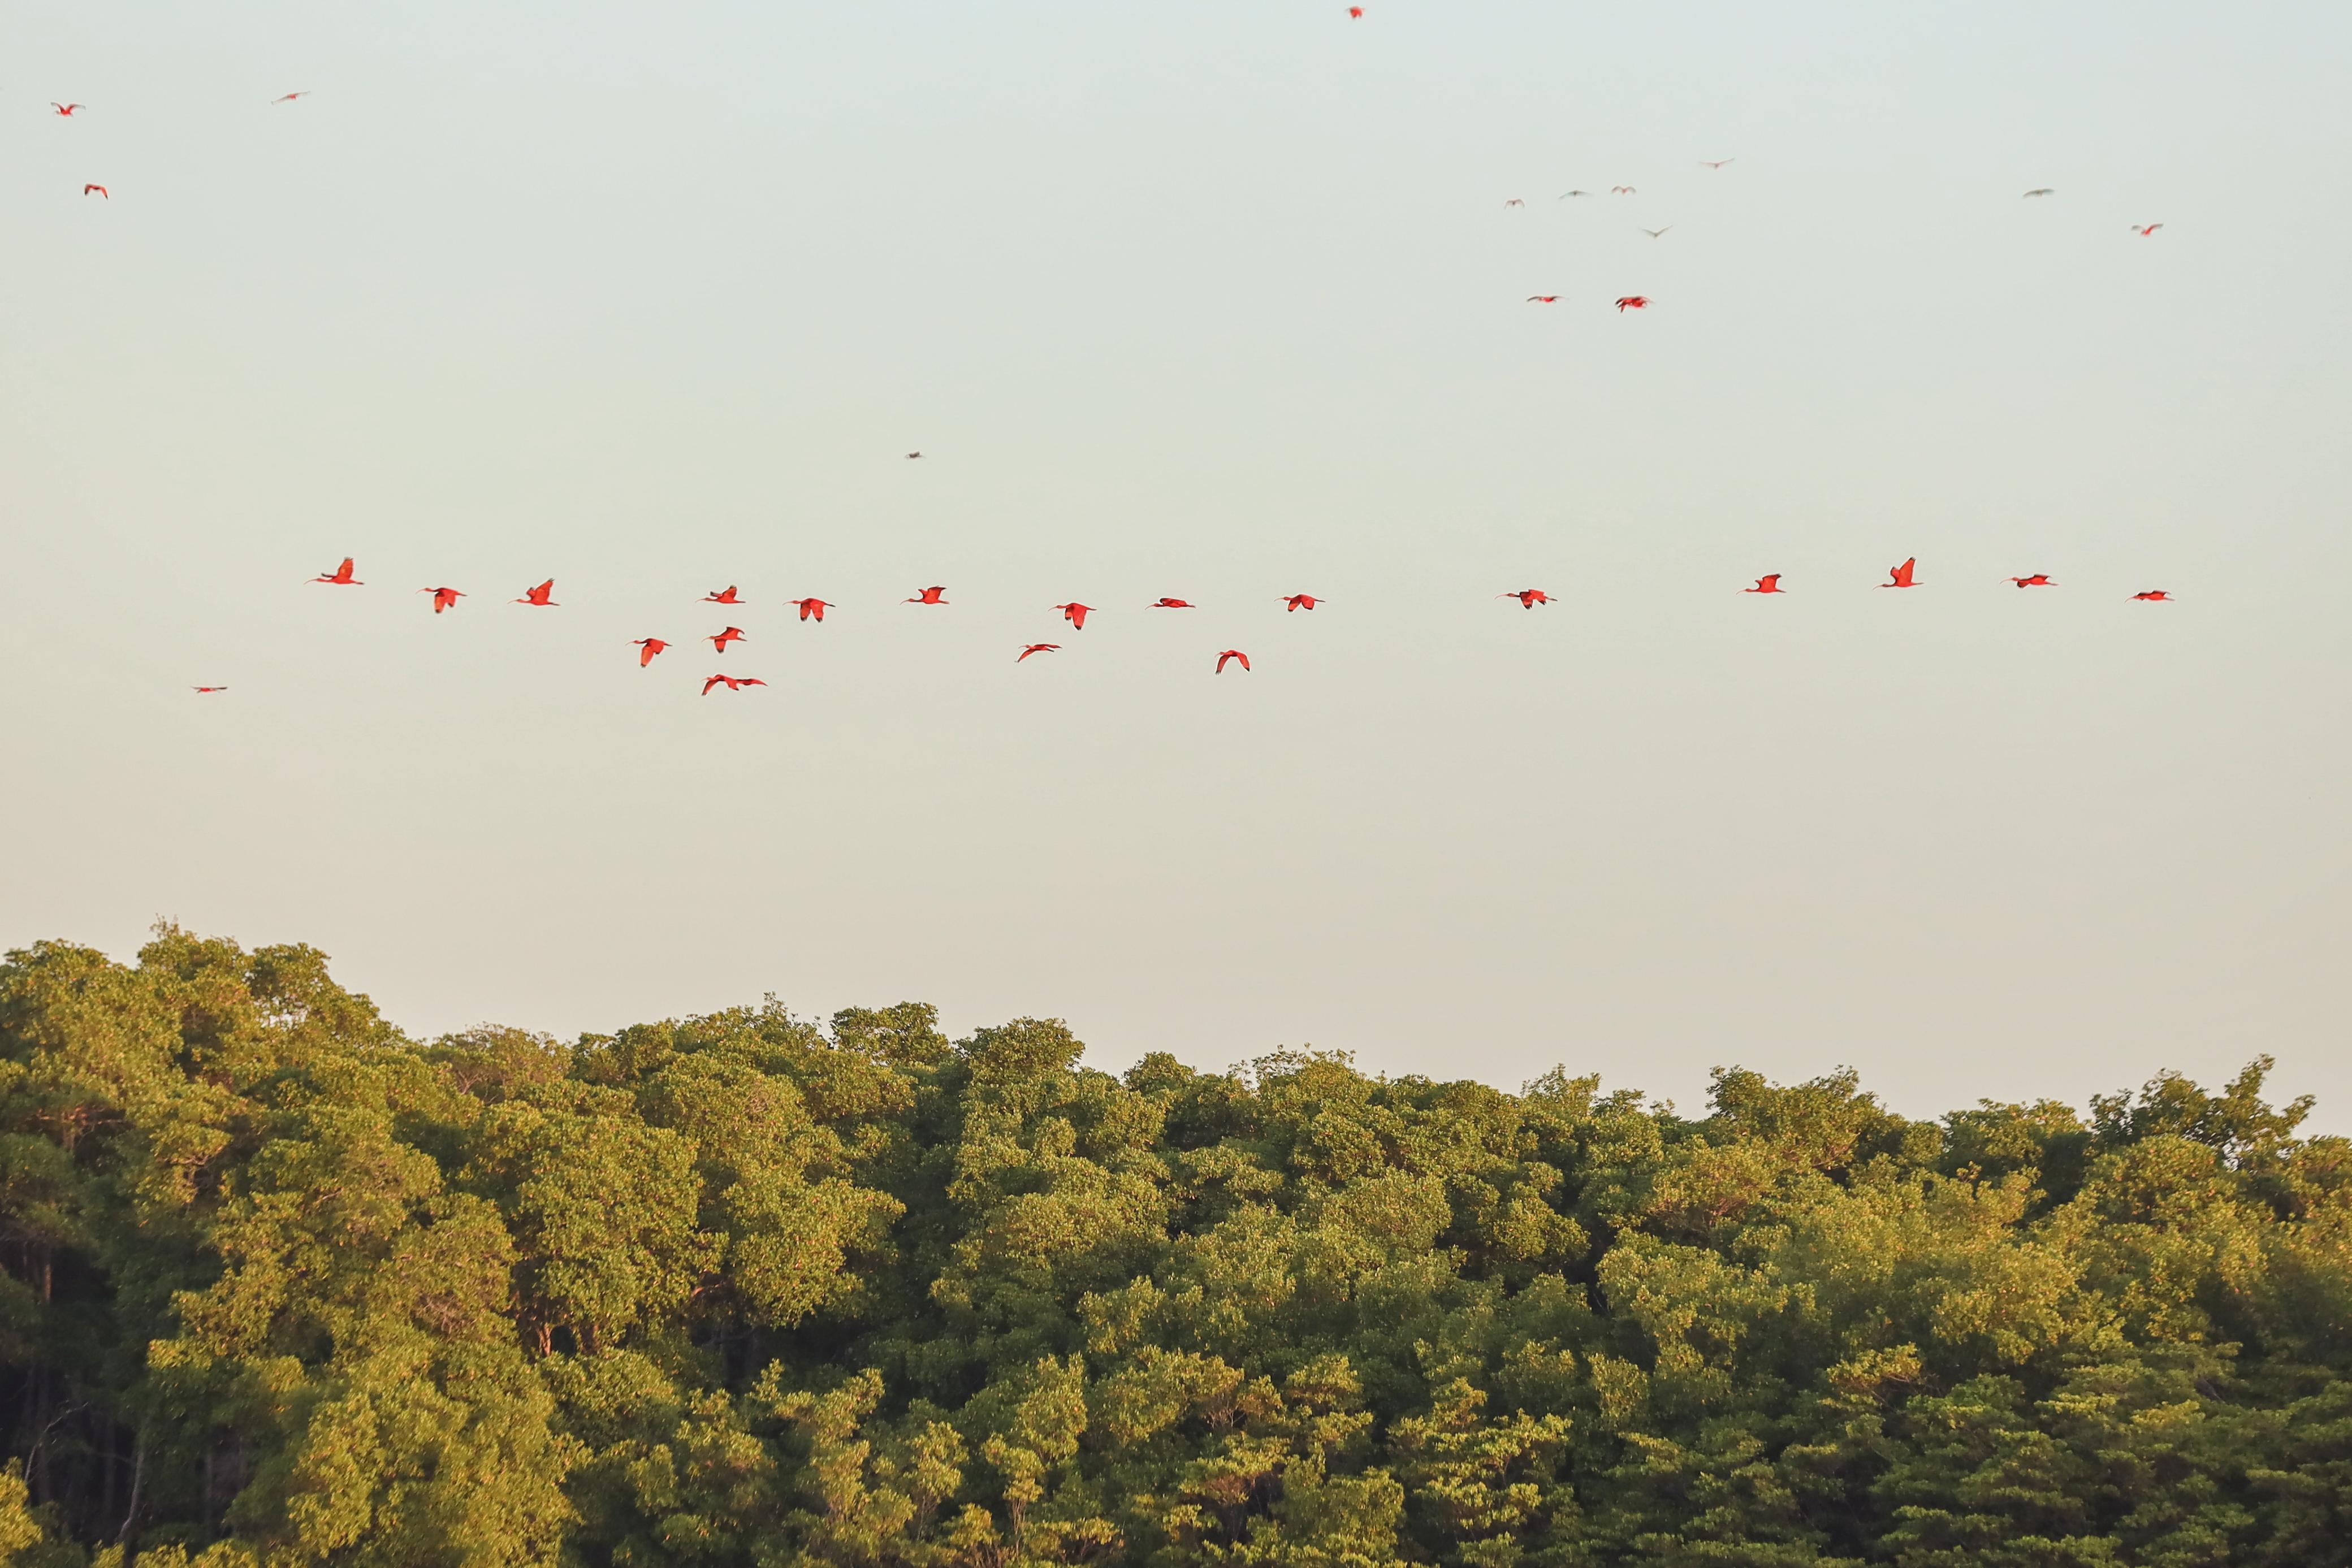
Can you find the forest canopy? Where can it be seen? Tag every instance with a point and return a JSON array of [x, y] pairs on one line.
[[284, 1286]]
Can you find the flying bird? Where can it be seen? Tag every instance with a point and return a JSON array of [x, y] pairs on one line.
[[1543, 298], [1633, 302], [1514, 202], [1768, 583], [2155, 596], [1655, 233], [2041, 191], [1565, 194], [1529, 597], [86, 190], [1620, 190], [66, 109], [1039, 648], [914, 455], [2143, 230], [2039, 579], [442, 598], [722, 596], [1171, 604], [208, 688], [1716, 163], [1900, 575], [928, 596], [810, 609], [538, 596], [1232, 654], [732, 634], [290, 97], [341, 577], [1291, 601], [732, 683], [648, 647], [1075, 614], [1355, 10]]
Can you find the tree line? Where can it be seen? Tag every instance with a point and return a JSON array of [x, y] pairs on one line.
[[285, 1287]]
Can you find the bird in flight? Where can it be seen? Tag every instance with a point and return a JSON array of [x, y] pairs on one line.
[[2039, 579], [647, 648], [1529, 597], [928, 596], [341, 577], [442, 598], [810, 608], [1620, 190], [2041, 191], [1900, 575], [732, 683], [1565, 194], [67, 109], [1171, 604], [1039, 648], [1633, 302], [1543, 298], [912, 455], [538, 596], [1232, 654], [1074, 614], [1655, 233], [1355, 10], [1291, 601], [1768, 583], [290, 97], [732, 634], [86, 190], [722, 596], [2143, 230], [1514, 202], [208, 688], [2155, 596], [1716, 163]]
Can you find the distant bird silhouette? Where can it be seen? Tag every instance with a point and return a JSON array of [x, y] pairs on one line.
[[1655, 233], [732, 634], [1074, 614], [341, 577], [1900, 575], [1633, 302], [1355, 10], [1529, 597], [2155, 596], [1169, 604], [208, 688], [538, 596], [1565, 194], [1038, 648], [2143, 230], [290, 97], [1543, 298], [1620, 190], [928, 596], [68, 110], [722, 596], [2039, 579], [86, 190], [1229, 654], [1514, 202], [1293, 602], [810, 609], [732, 683], [912, 455], [2041, 191], [648, 647], [1768, 583], [442, 598], [1716, 163]]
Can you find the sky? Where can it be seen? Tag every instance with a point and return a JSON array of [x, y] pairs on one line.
[[1222, 301]]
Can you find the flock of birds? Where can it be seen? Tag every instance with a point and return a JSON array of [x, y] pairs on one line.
[[542, 596]]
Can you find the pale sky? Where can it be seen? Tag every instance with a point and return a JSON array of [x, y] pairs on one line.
[[1220, 301]]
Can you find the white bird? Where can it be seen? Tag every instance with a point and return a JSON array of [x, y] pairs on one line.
[[1716, 163], [1655, 233]]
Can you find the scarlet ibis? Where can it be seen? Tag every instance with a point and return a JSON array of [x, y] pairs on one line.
[[442, 598], [66, 109], [86, 190], [1529, 597], [1232, 654], [1768, 583], [1074, 614], [722, 596], [1633, 302], [538, 596], [1900, 575], [2155, 596], [2143, 230], [732, 683], [732, 634], [2039, 579], [341, 577], [1171, 604], [810, 609], [1291, 601], [648, 647], [928, 596], [1039, 648]]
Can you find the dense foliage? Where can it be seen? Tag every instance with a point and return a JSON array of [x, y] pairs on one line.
[[285, 1287]]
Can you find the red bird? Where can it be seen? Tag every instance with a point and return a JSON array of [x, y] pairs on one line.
[[1355, 10], [1633, 302], [810, 608], [722, 596], [442, 598], [649, 646], [1543, 298], [2039, 579], [928, 596], [86, 190], [1529, 597], [539, 595], [1768, 583], [1232, 654], [732, 635], [2155, 595], [1039, 648], [290, 97], [1171, 604], [1900, 575], [2143, 230], [65, 109], [341, 577], [208, 688], [732, 683], [1291, 601], [1074, 614]]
